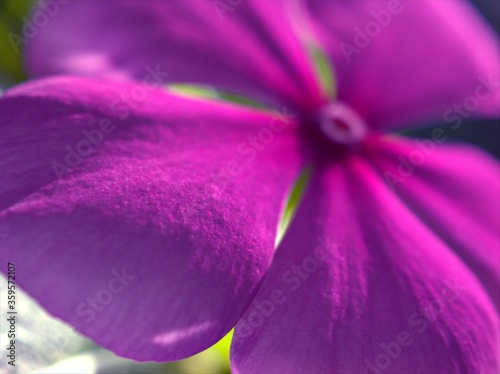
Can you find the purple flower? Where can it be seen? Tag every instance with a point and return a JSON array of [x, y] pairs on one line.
[[147, 219]]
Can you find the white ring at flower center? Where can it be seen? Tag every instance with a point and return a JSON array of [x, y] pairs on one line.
[[341, 124]]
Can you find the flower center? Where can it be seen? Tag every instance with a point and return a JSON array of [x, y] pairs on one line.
[[341, 124]]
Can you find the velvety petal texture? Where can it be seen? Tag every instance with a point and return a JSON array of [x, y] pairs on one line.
[[455, 189], [155, 241], [246, 47], [147, 220], [402, 62], [360, 284]]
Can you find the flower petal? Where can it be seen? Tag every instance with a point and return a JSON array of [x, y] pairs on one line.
[[403, 62], [455, 189], [360, 285], [244, 47], [154, 244]]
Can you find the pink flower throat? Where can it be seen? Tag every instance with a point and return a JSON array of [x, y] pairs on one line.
[[340, 124]]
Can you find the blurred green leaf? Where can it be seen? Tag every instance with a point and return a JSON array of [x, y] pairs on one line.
[[11, 23], [324, 70], [293, 202], [223, 345], [211, 93]]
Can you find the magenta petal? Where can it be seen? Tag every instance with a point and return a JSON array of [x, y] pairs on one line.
[[245, 47], [404, 62], [361, 285], [168, 220], [455, 190]]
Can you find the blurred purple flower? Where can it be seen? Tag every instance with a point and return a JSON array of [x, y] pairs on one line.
[[147, 219]]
